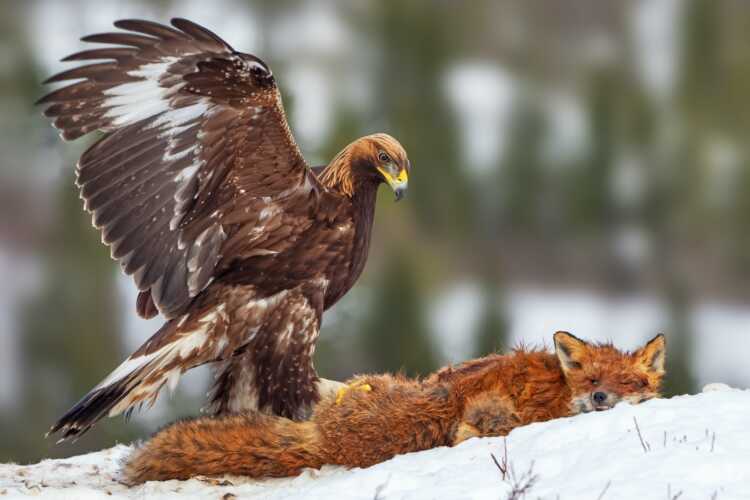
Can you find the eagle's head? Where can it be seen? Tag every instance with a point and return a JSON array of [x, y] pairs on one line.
[[372, 159], [386, 158]]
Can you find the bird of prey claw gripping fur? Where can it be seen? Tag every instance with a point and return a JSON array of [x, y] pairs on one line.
[[204, 198]]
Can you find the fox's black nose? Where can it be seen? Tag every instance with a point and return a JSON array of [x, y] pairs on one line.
[[599, 397]]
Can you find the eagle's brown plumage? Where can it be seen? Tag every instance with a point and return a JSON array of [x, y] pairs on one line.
[[203, 196]]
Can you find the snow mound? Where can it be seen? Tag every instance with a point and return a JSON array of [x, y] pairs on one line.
[[691, 447]]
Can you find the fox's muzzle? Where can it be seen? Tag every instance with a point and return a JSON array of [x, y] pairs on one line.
[[601, 401]]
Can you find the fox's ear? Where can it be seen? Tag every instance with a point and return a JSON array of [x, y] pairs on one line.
[[652, 357], [569, 349]]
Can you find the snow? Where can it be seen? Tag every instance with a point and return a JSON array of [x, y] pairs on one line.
[[695, 446]]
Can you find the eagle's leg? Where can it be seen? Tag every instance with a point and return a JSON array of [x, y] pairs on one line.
[[359, 385], [273, 371], [234, 391], [330, 388]]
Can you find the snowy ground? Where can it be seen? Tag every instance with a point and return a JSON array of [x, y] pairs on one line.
[[689, 447]]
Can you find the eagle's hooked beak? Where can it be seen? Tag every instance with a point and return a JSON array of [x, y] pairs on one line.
[[399, 183]]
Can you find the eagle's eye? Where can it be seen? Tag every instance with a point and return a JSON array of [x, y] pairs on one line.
[[384, 158]]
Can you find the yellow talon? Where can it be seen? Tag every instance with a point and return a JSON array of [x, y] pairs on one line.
[[359, 386]]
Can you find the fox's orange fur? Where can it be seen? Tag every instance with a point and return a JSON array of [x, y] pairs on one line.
[[484, 397]]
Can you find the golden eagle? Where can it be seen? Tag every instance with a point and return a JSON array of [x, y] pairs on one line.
[[203, 196]]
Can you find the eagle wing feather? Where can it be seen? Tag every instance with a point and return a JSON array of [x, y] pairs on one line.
[[197, 153]]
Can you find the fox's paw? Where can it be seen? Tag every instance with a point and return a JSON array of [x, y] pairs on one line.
[[465, 431], [488, 416], [357, 386]]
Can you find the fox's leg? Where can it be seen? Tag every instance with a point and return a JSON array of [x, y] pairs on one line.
[[487, 416]]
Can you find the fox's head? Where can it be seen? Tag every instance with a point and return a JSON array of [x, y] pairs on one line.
[[601, 376]]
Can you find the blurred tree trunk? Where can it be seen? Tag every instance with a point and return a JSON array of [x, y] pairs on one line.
[[414, 41], [395, 334], [492, 333]]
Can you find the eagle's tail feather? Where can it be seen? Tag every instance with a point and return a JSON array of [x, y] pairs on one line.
[[178, 346], [98, 403]]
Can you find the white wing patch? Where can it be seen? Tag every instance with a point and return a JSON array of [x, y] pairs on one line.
[[203, 253], [146, 98], [175, 117], [186, 173], [134, 101]]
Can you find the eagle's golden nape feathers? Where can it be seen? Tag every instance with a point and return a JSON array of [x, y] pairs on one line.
[[338, 174], [203, 197]]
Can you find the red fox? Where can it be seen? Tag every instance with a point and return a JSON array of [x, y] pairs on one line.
[[376, 417]]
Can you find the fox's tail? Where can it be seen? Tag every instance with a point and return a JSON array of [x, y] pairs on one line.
[[253, 445]]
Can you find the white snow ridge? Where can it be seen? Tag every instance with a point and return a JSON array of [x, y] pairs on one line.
[[687, 447]]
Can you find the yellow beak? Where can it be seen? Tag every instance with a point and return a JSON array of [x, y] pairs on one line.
[[399, 183]]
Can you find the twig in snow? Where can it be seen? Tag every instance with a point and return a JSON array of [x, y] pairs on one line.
[[379, 489], [606, 487], [713, 441], [521, 485], [503, 465], [645, 445], [669, 493]]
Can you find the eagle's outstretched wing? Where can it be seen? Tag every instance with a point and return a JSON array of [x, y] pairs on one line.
[[196, 152]]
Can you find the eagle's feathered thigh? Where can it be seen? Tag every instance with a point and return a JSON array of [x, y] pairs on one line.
[[204, 198]]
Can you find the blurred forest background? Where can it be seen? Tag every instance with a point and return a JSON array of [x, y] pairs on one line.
[[580, 165]]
